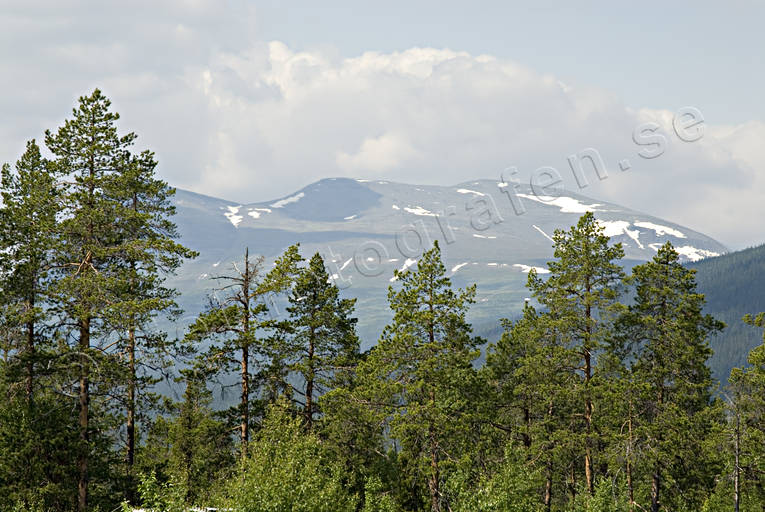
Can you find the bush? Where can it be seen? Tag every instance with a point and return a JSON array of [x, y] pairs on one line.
[[288, 470]]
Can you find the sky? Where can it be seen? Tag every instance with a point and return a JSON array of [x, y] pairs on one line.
[[251, 101]]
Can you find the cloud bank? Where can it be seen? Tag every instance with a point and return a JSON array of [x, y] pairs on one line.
[[235, 117]]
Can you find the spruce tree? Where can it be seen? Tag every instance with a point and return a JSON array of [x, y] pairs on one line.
[[529, 370], [200, 447]]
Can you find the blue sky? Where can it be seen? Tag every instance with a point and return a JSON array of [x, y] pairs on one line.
[[251, 101]]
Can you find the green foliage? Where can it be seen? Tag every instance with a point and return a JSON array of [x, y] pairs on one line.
[[231, 324], [190, 450], [159, 497], [609, 497], [665, 335], [376, 498], [418, 379], [511, 486], [580, 297], [288, 470]]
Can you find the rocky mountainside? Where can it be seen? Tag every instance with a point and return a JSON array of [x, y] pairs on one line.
[[490, 233]]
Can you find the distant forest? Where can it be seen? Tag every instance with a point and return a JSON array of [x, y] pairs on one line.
[[732, 284], [598, 397]]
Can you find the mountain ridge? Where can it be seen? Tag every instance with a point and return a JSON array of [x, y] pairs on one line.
[[367, 228]]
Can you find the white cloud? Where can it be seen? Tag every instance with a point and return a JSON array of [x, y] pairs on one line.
[[376, 155], [247, 120]]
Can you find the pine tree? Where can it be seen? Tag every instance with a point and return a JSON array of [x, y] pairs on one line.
[[318, 340], [149, 252], [232, 324], [186, 451], [747, 424], [580, 294], [30, 203], [90, 156], [200, 447], [668, 336], [529, 370], [417, 376]]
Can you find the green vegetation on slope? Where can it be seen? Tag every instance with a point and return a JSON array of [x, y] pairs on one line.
[[733, 284]]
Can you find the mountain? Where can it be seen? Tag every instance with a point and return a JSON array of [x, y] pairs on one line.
[[366, 229], [734, 284]]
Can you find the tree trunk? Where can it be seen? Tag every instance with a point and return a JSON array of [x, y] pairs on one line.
[[245, 399], [527, 426], [435, 476], [736, 473], [30, 358], [588, 469], [84, 402], [588, 472], [309, 384], [549, 465], [548, 486], [655, 485], [245, 426], [630, 489], [656, 478], [130, 455]]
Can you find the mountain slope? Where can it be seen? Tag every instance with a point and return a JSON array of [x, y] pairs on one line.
[[366, 229], [734, 284]]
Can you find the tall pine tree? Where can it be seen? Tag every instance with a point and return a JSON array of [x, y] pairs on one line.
[[318, 340], [30, 204], [417, 376], [149, 253], [89, 155], [580, 294], [232, 322], [668, 335]]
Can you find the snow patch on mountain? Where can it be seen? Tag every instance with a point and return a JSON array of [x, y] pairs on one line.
[[467, 191], [613, 228], [292, 199], [232, 216], [408, 263], [256, 212], [566, 204], [419, 210], [659, 229], [527, 268], [543, 233], [694, 254], [455, 268]]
